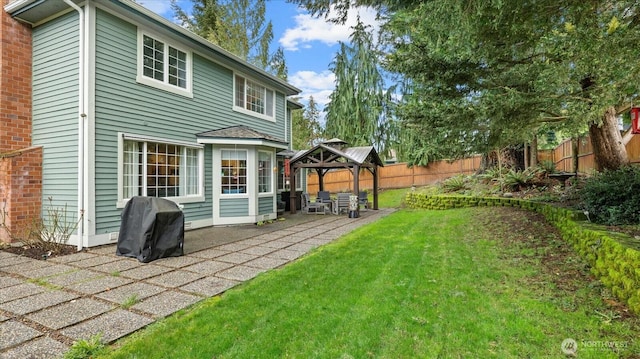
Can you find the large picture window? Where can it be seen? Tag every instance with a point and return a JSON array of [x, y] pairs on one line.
[[156, 169], [163, 65], [253, 97], [264, 172], [234, 171]]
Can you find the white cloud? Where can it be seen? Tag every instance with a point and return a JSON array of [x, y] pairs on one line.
[[160, 7], [319, 85], [308, 29]]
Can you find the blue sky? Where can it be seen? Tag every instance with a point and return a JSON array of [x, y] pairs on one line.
[[310, 44]]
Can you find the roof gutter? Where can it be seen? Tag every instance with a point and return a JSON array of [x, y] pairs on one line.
[[82, 116]]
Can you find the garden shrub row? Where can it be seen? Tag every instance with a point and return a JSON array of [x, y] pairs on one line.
[[615, 263]]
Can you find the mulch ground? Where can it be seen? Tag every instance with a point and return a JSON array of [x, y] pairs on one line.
[[41, 251]]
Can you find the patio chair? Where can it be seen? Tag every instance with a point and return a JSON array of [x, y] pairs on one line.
[[312, 207], [341, 203], [323, 197], [363, 199]]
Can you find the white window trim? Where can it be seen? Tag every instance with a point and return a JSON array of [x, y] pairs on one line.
[[164, 85], [273, 173], [180, 199], [247, 193], [249, 112]]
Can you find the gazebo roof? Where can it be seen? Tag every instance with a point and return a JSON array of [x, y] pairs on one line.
[[327, 155]]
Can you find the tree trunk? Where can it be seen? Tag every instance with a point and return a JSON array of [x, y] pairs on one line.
[[609, 151], [533, 153]]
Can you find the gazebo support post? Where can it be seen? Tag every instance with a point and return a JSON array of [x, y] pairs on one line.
[[292, 190], [320, 179], [356, 180], [375, 187]]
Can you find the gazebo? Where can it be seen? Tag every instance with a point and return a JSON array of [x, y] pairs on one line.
[[334, 154]]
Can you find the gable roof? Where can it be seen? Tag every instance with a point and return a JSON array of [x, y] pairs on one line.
[[327, 156], [240, 135], [35, 11]]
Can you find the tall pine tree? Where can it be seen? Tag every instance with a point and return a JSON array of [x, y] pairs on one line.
[[238, 26], [356, 113], [306, 126]]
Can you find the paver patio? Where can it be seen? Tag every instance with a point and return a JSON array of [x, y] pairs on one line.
[[47, 305]]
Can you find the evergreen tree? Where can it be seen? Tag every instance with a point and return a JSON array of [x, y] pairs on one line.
[[306, 126], [356, 113], [485, 74], [238, 26]]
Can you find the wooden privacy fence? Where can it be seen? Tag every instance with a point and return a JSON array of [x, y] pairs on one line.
[[398, 175], [562, 155]]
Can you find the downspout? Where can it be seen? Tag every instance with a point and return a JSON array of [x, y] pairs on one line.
[[81, 119]]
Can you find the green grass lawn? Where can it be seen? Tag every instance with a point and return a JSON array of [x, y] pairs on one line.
[[416, 284]]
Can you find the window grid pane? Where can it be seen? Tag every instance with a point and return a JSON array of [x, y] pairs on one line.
[[163, 170], [170, 170], [177, 68], [239, 91], [269, 101], [153, 58], [191, 172], [264, 172], [255, 97], [281, 179], [132, 169], [234, 171]]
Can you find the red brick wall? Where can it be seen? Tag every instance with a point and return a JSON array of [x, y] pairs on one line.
[[15, 84], [20, 191], [20, 166]]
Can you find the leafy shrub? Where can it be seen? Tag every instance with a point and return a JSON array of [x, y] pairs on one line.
[[547, 166], [493, 174], [613, 197], [517, 180], [454, 184]]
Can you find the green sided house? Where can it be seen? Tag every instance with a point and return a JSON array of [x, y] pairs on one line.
[[126, 103]]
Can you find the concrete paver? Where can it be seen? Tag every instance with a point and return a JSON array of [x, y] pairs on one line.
[[37, 302], [209, 267], [19, 291], [266, 263], [40, 348], [13, 332], [99, 284], [145, 271], [8, 281], [70, 313], [138, 290], [111, 326], [237, 257], [209, 286], [47, 305], [175, 279], [240, 273], [166, 303]]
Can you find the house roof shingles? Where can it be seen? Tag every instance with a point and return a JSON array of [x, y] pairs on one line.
[[239, 132]]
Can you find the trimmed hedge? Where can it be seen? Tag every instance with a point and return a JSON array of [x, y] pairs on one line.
[[615, 264]]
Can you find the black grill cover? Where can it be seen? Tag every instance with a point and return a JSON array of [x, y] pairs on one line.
[[151, 228]]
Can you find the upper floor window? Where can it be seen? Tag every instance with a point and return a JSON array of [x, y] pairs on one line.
[[253, 97], [164, 66]]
